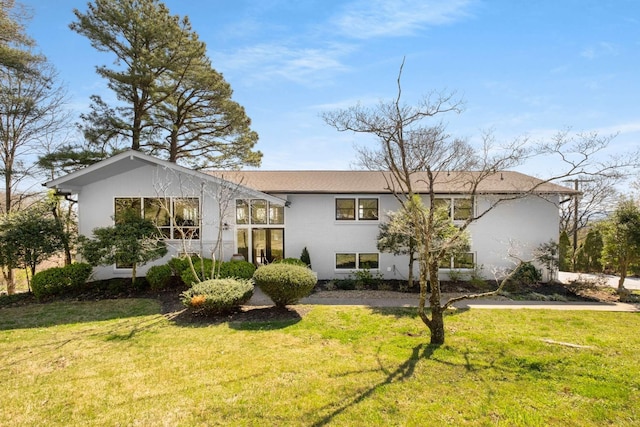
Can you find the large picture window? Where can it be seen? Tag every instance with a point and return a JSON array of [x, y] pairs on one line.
[[260, 235], [176, 218], [356, 261], [365, 208]]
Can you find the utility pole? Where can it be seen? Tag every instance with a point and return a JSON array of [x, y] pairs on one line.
[[576, 183]]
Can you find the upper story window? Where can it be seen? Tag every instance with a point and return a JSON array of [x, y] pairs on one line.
[[459, 208], [259, 212], [361, 209], [176, 218]]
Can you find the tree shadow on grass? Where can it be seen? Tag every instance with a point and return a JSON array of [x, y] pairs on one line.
[[406, 370], [402, 372], [64, 312], [407, 312]]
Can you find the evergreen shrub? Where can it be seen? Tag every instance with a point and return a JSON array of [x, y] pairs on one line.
[[285, 284], [291, 261], [59, 281], [160, 277], [217, 296]]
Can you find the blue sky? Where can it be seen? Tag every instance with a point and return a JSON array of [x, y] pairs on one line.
[[522, 67]]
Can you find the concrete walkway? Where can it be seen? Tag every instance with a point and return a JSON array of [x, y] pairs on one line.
[[398, 299]]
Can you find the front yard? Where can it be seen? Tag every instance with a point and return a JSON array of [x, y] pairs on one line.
[[125, 362]]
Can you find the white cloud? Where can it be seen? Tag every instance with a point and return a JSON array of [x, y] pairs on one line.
[[307, 66], [599, 50], [365, 19]]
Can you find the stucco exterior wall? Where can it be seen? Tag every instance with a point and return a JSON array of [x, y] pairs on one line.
[[96, 209], [520, 226]]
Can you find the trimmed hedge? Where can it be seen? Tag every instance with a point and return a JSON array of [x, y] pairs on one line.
[[235, 269], [291, 261], [218, 296], [60, 280], [285, 284]]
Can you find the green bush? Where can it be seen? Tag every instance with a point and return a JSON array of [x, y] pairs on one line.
[[526, 274], [187, 275], [58, 281], [285, 283], [160, 277], [179, 264], [305, 258], [231, 269], [291, 261], [236, 269], [217, 296]]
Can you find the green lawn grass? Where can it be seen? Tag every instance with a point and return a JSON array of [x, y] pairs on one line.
[[120, 362]]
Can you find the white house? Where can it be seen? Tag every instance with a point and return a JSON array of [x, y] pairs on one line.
[[266, 215]]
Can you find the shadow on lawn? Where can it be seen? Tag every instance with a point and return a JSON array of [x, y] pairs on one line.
[[402, 312], [43, 315], [402, 372], [247, 319]]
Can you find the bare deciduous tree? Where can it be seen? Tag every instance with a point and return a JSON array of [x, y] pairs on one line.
[[410, 153]]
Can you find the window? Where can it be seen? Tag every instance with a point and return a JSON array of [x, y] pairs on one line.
[[442, 204], [258, 238], [276, 214], [462, 209], [186, 213], [156, 210], [369, 261], [367, 209], [242, 212], [458, 208], [345, 209], [345, 261], [464, 260], [175, 218], [242, 235], [353, 261], [125, 206], [258, 212]]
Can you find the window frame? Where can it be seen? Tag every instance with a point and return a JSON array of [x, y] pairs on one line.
[[452, 203], [245, 216], [168, 231], [357, 261], [357, 212], [345, 213], [452, 262]]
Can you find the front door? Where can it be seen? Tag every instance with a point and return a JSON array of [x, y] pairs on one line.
[[267, 245]]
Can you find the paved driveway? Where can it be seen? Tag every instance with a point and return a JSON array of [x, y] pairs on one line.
[[398, 299], [632, 283]]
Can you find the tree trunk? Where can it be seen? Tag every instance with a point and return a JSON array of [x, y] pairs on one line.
[[623, 275], [437, 312], [63, 235], [9, 280], [424, 279], [134, 272], [437, 325], [411, 262]]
